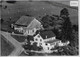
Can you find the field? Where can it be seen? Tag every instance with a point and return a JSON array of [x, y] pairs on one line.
[[6, 48], [19, 38], [36, 9]]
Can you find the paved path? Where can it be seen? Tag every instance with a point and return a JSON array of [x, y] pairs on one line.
[[17, 34], [18, 48]]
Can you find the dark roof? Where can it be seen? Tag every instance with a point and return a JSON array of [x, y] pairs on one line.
[[52, 41], [49, 34], [24, 20], [20, 25]]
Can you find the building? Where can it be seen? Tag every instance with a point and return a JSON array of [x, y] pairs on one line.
[[27, 25], [47, 40]]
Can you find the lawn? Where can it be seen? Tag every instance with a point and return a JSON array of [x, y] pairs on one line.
[[19, 38], [36, 9], [6, 48]]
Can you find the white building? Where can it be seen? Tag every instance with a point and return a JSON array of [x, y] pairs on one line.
[[48, 42]]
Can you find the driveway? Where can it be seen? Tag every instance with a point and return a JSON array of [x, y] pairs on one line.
[[18, 48]]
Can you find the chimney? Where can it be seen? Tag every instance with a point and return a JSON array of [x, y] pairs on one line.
[[46, 36]]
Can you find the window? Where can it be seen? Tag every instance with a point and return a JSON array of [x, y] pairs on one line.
[[32, 30], [54, 43], [58, 41], [40, 43], [40, 39], [28, 31], [36, 39], [46, 44], [39, 36], [48, 48]]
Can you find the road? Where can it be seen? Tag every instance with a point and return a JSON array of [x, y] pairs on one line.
[[18, 48]]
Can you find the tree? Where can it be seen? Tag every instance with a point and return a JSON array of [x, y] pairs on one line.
[[64, 12], [2, 20], [66, 26], [75, 27], [67, 30], [46, 21]]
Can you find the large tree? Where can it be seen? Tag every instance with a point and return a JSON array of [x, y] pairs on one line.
[[66, 27], [46, 21], [67, 30]]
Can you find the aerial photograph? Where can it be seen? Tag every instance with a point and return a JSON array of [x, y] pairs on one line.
[[38, 28]]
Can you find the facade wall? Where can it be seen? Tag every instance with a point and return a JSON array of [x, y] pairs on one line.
[[30, 32]]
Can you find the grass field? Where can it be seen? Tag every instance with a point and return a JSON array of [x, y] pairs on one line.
[[36, 9], [6, 48], [19, 38]]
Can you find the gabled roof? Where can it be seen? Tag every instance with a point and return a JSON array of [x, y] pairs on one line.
[[30, 22], [34, 24], [49, 34], [24, 20]]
